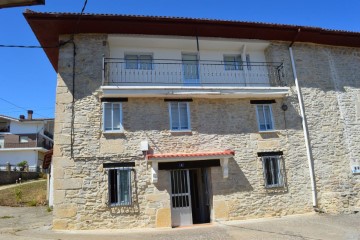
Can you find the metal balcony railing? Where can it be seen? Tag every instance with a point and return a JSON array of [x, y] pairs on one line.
[[158, 72], [40, 141]]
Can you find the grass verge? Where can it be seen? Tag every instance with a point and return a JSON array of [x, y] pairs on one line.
[[31, 194]]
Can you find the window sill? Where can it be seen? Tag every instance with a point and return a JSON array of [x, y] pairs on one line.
[[181, 131], [269, 131], [113, 132]]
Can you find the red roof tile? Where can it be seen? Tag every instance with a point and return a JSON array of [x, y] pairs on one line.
[[199, 154]]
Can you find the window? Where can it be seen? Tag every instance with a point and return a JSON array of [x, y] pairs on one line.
[[2, 141], [141, 62], [233, 62], [120, 192], [24, 139], [272, 171], [190, 64], [264, 117], [112, 117], [179, 116]]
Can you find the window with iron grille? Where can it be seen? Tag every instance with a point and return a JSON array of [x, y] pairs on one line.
[[179, 116], [272, 171], [141, 62], [120, 190]]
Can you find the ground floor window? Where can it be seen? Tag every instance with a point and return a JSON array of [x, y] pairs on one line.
[[120, 191], [272, 171]]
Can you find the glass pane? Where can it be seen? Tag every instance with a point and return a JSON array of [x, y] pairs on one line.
[[229, 62], [24, 139], [239, 63], [131, 62], [174, 116], [184, 124], [248, 63], [190, 66], [145, 62], [276, 169], [268, 171], [268, 121], [124, 186], [116, 116], [261, 118], [107, 116], [113, 186]]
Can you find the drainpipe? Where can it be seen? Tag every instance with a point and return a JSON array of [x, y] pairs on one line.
[[305, 128]]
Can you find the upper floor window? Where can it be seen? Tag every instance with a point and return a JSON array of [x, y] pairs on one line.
[[112, 117], [264, 117], [179, 116], [24, 139], [233, 62], [248, 62], [120, 191], [272, 171], [141, 62]]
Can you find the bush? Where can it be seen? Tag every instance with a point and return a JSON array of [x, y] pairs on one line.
[[22, 165]]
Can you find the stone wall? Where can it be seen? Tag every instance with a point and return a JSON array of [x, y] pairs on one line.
[[10, 177], [329, 78]]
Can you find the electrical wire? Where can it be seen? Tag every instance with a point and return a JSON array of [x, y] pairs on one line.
[[26, 46], [20, 107]]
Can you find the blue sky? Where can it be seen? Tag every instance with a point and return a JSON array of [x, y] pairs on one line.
[[28, 80]]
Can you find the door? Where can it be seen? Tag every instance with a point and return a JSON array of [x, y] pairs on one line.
[[181, 214], [190, 69]]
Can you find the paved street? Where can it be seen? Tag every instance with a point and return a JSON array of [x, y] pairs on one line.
[[30, 223]]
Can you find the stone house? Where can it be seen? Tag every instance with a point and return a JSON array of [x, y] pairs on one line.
[[165, 122]]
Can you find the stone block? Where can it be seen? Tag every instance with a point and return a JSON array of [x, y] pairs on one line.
[[59, 196], [221, 210], [268, 145], [157, 197], [68, 184], [65, 210], [163, 217], [59, 224]]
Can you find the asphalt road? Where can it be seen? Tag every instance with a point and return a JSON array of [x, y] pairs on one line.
[[30, 223]]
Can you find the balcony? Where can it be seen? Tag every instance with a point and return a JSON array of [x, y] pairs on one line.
[[156, 77], [41, 141]]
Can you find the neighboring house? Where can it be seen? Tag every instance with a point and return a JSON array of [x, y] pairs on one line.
[[25, 139], [174, 121]]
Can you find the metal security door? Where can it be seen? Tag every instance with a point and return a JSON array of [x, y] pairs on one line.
[[181, 214]]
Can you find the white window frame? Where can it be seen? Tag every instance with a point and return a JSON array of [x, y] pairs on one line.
[[274, 172], [188, 117], [2, 141], [238, 65], [138, 61], [119, 189], [112, 118], [263, 113], [23, 139]]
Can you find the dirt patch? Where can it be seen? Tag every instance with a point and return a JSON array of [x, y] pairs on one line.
[[32, 194]]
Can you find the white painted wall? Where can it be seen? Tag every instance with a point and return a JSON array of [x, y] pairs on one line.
[[26, 127], [172, 48], [15, 157], [50, 186]]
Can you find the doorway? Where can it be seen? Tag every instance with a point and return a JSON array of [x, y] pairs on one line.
[[190, 197]]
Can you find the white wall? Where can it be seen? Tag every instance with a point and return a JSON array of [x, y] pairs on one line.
[[26, 127], [172, 48], [15, 157]]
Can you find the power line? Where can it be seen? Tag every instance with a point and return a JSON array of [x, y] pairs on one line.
[[20, 107], [25, 46]]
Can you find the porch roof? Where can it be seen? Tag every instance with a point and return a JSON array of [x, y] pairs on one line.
[[191, 156]]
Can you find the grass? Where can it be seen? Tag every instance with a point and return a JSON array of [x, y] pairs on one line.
[[6, 217], [31, 194]]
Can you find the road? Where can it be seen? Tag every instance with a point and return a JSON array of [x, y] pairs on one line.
[[30, 223]]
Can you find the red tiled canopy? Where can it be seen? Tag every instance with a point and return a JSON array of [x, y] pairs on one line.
[[189, 155]]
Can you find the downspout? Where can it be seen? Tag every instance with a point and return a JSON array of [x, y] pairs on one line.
[[305, 127]]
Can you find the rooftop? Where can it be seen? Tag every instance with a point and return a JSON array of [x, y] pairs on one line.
[[48, 26]]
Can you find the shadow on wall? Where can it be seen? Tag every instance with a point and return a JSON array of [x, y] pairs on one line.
[[236, 182]]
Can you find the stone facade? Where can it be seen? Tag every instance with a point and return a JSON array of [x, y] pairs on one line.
[[328, 80]]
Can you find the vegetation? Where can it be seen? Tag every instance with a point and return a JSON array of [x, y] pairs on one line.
[[30, 194], [22, 165], [6, 217]]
